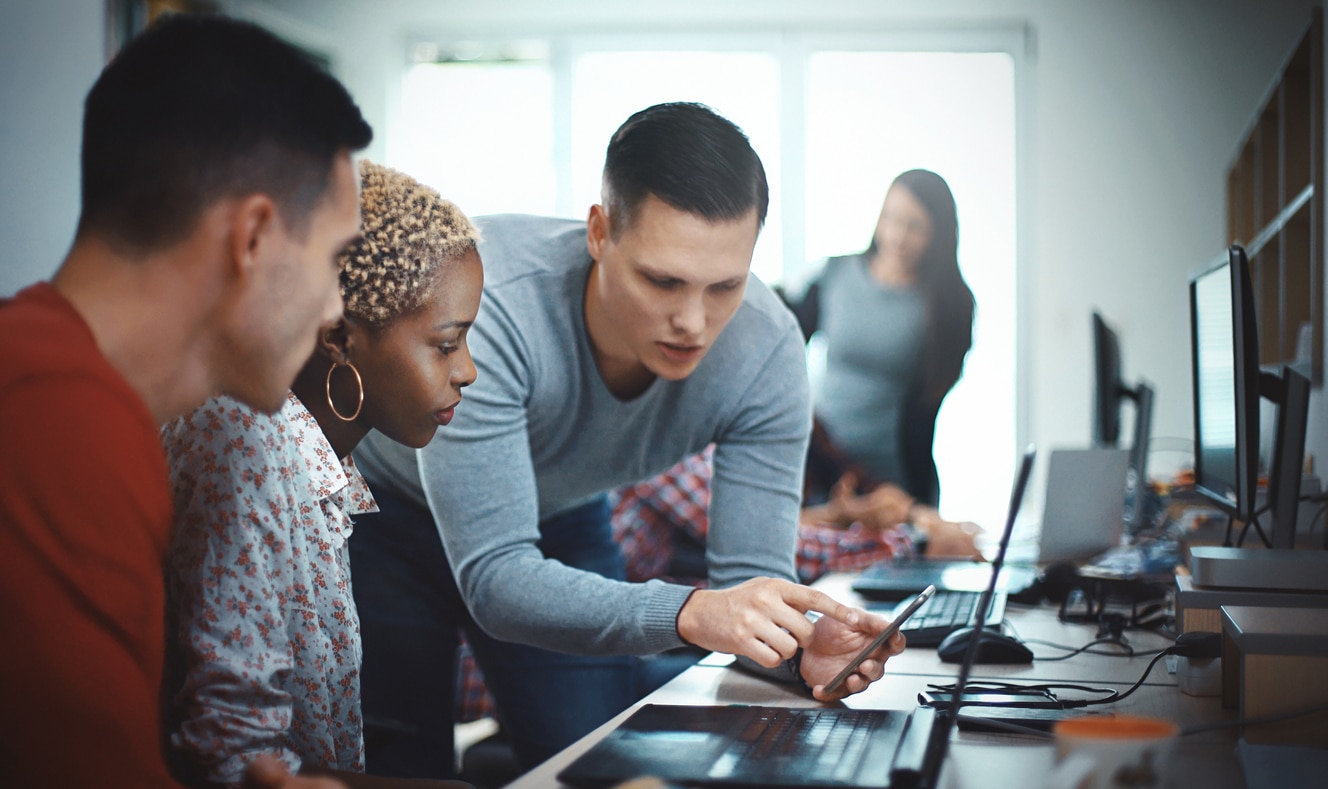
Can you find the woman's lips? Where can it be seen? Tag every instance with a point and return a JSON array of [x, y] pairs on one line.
[[445, 415], [680, 354]]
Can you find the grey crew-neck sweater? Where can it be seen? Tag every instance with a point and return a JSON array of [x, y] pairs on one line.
[[874, 339], [539, 432]]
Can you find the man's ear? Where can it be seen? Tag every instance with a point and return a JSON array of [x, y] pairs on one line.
[[597, 231], [334, 341], [253, 225]]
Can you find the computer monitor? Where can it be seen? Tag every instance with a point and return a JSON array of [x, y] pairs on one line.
[[1110, 391], [1227, 386]]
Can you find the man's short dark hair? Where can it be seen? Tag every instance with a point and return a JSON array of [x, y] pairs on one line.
[[200, 108], [688, 156]]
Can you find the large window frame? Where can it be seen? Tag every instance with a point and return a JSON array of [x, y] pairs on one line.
[[791, 51]]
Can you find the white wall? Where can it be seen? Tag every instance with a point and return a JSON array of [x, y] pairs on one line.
[[1136, 107], [50, 54]]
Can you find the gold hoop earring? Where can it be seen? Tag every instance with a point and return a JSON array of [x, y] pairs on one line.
[[359, 382]]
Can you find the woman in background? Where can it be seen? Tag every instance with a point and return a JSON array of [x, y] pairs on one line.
[[263, 631], [897, 320]]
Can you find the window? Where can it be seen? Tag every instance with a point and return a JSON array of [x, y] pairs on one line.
[[522, 127], [481, 133]]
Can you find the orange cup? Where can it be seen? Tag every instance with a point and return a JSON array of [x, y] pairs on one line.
[[1104, 752]]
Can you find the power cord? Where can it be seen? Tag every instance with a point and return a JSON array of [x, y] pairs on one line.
[[1112, 624], [1191, 645], [1041, 696]]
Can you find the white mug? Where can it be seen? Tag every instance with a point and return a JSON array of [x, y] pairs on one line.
[[1113, 752]]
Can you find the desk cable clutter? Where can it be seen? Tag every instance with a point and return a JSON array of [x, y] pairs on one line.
[[1193, 645]]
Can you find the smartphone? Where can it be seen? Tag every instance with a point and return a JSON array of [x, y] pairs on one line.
[[884, 636]]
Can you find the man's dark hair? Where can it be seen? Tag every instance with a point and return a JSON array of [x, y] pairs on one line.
[[200, 108], [688, 156]]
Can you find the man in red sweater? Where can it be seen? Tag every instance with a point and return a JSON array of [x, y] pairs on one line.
[[217, 189]]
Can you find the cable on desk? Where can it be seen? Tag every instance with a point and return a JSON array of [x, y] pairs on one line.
[[1196, 645], [1040, 691], [1087, 649], [1147, 670], [1116, 639]]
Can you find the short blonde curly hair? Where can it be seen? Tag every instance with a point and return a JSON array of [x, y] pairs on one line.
[[408, 233]]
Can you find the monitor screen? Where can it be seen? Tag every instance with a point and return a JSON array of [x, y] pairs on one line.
[[1106, 384], [1109, 393], [1226, 384]]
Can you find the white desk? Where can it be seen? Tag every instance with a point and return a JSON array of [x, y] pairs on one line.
[[989, 761]]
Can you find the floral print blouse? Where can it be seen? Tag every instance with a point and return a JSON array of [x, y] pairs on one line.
[[264, 640]]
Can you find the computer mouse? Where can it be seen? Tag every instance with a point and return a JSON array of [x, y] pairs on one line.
[[993, 647]]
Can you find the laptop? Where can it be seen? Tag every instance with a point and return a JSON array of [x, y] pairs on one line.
[[1084, 511], [1082, 517], [742, 745]]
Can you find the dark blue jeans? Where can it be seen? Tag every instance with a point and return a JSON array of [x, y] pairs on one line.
[[411, 618]]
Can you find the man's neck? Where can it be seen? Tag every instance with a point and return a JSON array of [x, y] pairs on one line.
[[151, 318]]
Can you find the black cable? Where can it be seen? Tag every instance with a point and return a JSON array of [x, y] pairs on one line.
[[1147, 670], [1114, 640], [1085, 649], [1080, 650], [1044, 690]]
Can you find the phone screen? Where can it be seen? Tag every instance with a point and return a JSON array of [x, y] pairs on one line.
[[884, 636]]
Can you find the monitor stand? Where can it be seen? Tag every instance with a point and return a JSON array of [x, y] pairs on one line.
[[1260, 568]]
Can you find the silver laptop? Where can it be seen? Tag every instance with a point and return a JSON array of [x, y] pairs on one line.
[[1085, 504]]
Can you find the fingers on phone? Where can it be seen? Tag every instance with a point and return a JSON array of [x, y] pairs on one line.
[[807, 599]]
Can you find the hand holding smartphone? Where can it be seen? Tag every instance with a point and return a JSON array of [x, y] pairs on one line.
[[884, 636]]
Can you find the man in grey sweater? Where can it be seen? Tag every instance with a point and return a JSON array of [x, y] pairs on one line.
[[607, 351]]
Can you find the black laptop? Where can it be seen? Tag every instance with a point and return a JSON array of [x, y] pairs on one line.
[[768, 746]]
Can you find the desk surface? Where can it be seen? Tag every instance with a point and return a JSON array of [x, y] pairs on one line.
[[1028, 623], [991, 761]]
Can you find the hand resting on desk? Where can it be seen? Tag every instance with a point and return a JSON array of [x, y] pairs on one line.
[[764, 619]]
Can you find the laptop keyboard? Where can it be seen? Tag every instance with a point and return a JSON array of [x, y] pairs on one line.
[[797, 741], [944, 613]]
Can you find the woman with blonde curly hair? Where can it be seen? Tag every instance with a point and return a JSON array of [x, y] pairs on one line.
[[264, 639]]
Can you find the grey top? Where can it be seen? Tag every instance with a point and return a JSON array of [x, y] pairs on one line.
[[539, 432], [874, 335]]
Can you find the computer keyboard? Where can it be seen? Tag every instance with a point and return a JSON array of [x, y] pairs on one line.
[[796, 740], [946, 612]]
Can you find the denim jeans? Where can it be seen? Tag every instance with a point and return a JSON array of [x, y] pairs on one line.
[[411, 617]]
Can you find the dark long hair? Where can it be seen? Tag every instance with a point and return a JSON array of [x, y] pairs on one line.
[[948, 300]]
